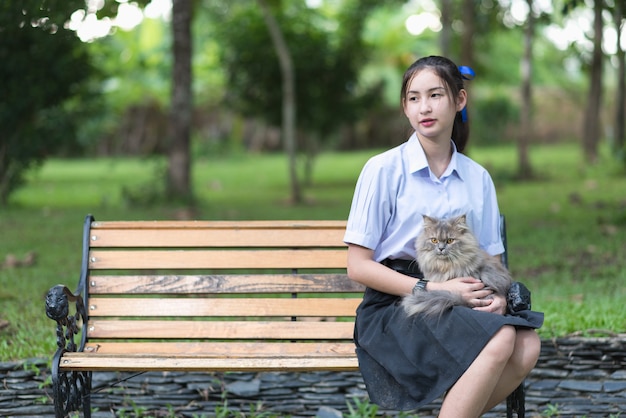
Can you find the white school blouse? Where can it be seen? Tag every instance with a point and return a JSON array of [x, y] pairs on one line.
[[396, 188]]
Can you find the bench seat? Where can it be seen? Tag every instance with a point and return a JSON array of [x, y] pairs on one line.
[[213, 296]]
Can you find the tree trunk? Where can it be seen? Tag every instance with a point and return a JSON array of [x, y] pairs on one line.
[[445, 37], [179, 162], [467, 52], [289, 98], [526, 128], [620, 94], [591, 130], [469, 27], [5, 173]]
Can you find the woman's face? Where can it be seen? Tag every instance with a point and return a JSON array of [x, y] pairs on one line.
[[429, 106]]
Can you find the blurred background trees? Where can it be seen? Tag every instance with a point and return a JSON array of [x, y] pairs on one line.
[[43, 66], [100, 78]]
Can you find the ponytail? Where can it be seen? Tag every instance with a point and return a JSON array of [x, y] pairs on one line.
[[460, 132]]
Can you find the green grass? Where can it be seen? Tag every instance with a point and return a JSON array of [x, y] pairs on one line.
[[566, 231]]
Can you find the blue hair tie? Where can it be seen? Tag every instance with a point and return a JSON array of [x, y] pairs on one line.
[[468, 74]]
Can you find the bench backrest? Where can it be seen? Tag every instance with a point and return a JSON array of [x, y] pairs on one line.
[[202, 285]]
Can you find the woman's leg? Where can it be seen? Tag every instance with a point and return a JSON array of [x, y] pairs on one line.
[[524, 357], [475, 388]]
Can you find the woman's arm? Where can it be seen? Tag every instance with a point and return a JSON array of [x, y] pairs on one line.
[[363, 269]]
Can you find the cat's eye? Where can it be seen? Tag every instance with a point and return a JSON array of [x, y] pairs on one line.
[[434, 240], [449, 240]]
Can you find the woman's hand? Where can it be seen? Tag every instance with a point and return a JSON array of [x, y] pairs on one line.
[[494, 303], [472, 290]]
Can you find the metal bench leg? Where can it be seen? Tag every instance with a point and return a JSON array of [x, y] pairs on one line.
[[71, 391], [86, 394]]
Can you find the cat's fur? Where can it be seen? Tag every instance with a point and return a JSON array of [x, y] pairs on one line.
[[446, 249]]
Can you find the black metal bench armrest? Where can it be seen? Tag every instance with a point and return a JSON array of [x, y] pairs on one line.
[[69, 322], [70, 389]]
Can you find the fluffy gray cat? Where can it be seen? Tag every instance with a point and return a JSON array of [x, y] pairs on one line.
[[446, 249]]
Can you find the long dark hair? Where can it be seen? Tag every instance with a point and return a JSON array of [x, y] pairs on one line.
[[449, 72]]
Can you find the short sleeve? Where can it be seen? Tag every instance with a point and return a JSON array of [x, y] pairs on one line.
[[491, 238], [370, 207]]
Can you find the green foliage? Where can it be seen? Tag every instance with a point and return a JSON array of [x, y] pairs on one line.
[[495, 111], [498, 64], [361, 408], [49, 15], [134, 410], [135, 67], [327, 55], [551, 411], [150, 192], [137, 64], [209, 83], [391, 51], [43, 66], [109, 8]]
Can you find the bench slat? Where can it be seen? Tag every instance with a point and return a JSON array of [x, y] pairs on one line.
[[278, 330], [230, 225], [210, 284], [151, 362], [205, 237], [196, 307], [222, 349], [219, 259]]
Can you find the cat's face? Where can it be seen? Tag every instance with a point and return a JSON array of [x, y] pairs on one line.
[[443, 238]]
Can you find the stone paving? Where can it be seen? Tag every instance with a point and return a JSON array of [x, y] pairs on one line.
[[575, 377]]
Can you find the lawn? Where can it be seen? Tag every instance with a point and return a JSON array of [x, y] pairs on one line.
[[566, 230]]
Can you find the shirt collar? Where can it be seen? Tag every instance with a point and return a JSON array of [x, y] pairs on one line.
[[418, 161], [416, 155]]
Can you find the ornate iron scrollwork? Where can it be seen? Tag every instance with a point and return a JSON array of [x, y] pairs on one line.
[[71, 389]]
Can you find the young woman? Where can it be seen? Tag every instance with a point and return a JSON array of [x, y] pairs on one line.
[[475, 356]]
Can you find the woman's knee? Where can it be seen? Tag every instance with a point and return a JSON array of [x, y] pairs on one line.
[[527, 349], [502, 344]]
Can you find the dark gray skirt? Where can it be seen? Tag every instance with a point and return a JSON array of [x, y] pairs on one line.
[[409, 362]]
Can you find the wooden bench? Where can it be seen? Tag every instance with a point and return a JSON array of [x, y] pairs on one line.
[[203, 296]]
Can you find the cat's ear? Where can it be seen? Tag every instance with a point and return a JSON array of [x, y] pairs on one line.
[[460, 222], [428, 221]]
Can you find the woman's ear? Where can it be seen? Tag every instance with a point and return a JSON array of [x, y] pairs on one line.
[[461, 101]]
